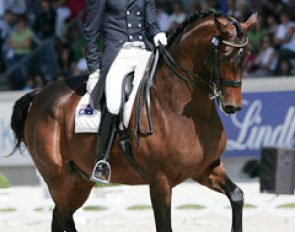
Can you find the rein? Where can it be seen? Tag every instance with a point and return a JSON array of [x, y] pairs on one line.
[[215, 81]]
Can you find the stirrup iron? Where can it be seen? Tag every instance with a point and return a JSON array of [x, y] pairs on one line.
[[101, 172]]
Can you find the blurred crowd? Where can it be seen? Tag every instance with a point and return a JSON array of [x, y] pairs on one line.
[[40, 41], [46, 36]]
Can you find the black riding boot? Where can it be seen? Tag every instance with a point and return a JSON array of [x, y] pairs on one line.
[[102, 169]]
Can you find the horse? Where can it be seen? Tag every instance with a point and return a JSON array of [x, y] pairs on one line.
[[203, 60]]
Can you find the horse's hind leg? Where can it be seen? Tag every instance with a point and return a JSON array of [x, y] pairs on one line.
[[160, 192], [217, 179], [69, 194]]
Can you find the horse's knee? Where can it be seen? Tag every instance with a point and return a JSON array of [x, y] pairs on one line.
[[237, 197]]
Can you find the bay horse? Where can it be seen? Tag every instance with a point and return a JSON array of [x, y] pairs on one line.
[[207, 55]]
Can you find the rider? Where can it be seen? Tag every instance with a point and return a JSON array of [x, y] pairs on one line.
[[129, 29]]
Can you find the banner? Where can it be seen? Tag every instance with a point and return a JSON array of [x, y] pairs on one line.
[[7, 141], [267, 119]]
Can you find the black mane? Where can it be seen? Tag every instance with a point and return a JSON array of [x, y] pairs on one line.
[[190, 19]]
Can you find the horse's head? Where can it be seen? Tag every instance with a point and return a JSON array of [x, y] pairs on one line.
[[210, 50], [226, 60]]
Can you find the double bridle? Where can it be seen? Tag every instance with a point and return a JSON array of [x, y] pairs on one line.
[[215, 82]]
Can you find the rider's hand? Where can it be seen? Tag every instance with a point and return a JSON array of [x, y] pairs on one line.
[[92, 80], [160, 38]]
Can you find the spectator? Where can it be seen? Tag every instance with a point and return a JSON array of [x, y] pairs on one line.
[[210, 4], [193, 7], [238, 9], [62, 14], [45, 29], [6, 28], [2, 10], [45, 21], [81, 67], [39, 81], [285, 38], [285, 68], [66, 63], [75, 6], [20, 41], [256, 34], [178, 15], [33, 9], [223, 5], [162, 17], [272, 25], [18, 7], [266, 61], [30, 85]]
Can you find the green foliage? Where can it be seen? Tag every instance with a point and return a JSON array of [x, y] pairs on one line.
[[7, 210], [94, 208], [191, 207], [246, 206], [4, 183], [43, 209], [101, 185], [140, 207], [286, 206]]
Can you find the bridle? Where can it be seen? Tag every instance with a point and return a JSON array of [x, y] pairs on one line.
[[215, 82]]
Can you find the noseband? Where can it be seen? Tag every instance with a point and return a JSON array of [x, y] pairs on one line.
[[215, 81]]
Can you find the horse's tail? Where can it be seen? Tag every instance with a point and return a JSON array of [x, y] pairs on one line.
[[18, 117]]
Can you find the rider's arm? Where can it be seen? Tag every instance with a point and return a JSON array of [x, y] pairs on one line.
[[95, 10], [151, 19]]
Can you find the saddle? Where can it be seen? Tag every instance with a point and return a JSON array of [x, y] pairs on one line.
[[142, 99]]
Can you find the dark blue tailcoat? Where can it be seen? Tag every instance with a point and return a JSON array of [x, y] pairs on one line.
[[118, 21]]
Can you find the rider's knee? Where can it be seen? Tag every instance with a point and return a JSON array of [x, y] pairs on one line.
[[113, 107]]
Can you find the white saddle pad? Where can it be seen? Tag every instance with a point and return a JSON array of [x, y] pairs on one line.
[[87, 119]]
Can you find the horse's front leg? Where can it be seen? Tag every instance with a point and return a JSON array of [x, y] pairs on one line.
[[160, 192], [217, 179]]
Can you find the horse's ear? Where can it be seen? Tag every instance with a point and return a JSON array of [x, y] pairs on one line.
[[220, 24], [250, 22]]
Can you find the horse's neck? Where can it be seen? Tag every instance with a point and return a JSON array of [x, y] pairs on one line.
[[188, 50], [177, 96]]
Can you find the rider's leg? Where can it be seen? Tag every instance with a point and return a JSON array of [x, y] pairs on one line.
[[122, 65], [138, 74]]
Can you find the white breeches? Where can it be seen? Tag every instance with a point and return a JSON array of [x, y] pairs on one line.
[[128, 60]]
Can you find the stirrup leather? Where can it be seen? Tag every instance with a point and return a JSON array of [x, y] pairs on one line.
[[101, 172]]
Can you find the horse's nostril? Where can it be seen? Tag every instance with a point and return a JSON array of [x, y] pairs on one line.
[[230, 109]]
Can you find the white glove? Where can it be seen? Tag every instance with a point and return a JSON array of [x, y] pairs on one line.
[[92, 80], [160, 38]]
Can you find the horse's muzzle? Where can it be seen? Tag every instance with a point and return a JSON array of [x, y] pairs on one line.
[[231, 109]]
